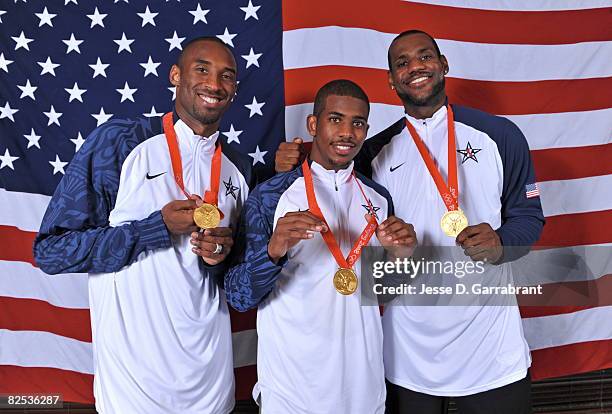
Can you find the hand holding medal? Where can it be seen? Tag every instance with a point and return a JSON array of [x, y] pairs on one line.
[[178, 216], [345, 278], [481, 242], [212, 243], [208, 214]]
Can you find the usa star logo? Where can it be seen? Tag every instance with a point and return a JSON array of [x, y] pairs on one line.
[[469, 153], [371, 211], [230, 189]]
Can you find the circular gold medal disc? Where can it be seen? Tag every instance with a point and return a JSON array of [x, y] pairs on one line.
[[345, 281], [453, 222], [206, 216]]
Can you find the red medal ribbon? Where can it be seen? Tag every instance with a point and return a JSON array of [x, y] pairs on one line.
[[328, 236], [211, 196], [450, 192]]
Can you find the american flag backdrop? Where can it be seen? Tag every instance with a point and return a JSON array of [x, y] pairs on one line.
[[67, 66]]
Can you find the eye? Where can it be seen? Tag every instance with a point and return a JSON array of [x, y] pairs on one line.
[[334, 119], [358, 124], [228, 76], [201, 69], [401, 63], [426, 57]]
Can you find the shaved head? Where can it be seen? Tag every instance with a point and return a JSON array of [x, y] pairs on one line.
[[191, 43]]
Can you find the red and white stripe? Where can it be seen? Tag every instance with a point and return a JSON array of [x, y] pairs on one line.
[[512, 58]]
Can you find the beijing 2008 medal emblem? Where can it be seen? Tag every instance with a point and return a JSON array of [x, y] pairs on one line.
[[206, 216], [453, 222]]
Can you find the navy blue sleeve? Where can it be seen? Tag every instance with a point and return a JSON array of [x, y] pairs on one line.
[[522, 217], [254, 274], [75, 235]]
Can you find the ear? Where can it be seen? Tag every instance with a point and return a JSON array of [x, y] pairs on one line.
[[390, 80], [444, 64], [311, 125], [175, 75]]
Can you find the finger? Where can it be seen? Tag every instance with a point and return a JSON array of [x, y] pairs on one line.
[[217, 239], [305, 223], [469, 231], [407, 241], [300, 227], [401, 233], [392, 228], [205, 246], [313, 217], [218, 231], [224, 240], [182, 205], [300, 235], [289, 160], [207, 254], [287, 166], [471, 251], [289, 146], [298, 140], [304, 216], [389, 220], [485, 238], [289, 155], [482, 256]]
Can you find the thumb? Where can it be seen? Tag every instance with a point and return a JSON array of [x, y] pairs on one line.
[[197, 199], [298, 140]]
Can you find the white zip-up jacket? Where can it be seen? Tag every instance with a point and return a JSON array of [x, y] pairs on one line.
[[450, 350], [160, 322], [318, 351]]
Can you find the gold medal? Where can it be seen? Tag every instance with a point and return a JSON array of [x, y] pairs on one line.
[[453, 222], [206, 216], [345, 281]]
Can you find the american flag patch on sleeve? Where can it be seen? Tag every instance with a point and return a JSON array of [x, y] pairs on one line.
[[531, 190]]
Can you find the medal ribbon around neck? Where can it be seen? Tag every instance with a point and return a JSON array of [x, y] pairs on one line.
[[450, 192], [328, 236], [210, 197]]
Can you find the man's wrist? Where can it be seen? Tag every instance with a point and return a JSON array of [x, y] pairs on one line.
[[273, 253]]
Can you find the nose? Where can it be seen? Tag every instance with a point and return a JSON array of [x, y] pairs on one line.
[[415, 65], [346, 129], [213, 83]]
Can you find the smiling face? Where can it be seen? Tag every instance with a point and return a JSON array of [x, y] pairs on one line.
[[338, 131], [205, 80], [417, 74]]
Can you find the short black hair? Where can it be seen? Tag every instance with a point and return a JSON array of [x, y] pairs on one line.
[[201, 39], [338, 87], [408, 33]]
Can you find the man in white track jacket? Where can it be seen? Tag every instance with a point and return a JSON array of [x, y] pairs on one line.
[[320, 350], [124, 214]]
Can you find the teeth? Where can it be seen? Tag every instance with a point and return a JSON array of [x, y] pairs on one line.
[[418, 80], [343, 147], [210, 100]]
